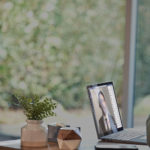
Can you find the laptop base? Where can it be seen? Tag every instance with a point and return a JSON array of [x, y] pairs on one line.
[[128, 136]]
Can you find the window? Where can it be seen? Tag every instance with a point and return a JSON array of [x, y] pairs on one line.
[[55, 48], [142, 82]]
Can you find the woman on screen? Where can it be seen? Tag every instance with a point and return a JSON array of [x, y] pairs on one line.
[[106, 122]]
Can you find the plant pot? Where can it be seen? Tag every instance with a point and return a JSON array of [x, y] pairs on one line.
[[33, 134], [148, 130]]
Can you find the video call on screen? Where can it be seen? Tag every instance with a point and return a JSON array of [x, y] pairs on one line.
[[105, 109]]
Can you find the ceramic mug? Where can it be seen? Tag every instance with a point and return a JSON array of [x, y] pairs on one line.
[[53, 130]]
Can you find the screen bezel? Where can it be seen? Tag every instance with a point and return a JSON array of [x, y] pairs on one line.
[[92, 107]]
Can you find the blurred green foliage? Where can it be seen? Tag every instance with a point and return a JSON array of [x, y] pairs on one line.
[[57, 47], [36, 108], [142, 83]]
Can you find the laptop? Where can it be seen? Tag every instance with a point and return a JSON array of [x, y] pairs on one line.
[[107, 117]]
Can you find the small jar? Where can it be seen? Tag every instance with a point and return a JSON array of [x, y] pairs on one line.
[[148, 130], [33, 134]]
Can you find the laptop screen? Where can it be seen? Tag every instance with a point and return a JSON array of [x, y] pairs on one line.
[[105, 109]]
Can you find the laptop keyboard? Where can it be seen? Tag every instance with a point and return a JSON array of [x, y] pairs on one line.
[[125, 135]]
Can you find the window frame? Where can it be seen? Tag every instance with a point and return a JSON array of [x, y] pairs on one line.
[[129, 63]]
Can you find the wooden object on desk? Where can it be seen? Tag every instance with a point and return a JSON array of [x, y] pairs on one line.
[[69, 138]]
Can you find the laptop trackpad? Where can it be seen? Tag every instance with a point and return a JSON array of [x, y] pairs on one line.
[[140, 139]]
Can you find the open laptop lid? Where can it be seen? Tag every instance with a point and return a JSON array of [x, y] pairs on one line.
[[104, 108]]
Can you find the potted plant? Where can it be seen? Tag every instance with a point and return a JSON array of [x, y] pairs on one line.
[[33, 134]]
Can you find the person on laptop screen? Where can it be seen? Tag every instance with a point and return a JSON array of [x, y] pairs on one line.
[[106, 121]]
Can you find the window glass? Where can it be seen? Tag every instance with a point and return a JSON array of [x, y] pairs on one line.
[[55, 48], [142, 82]]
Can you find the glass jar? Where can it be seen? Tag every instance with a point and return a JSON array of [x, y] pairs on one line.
[[34, 134]]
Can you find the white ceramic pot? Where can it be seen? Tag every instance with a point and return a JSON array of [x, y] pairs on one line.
[[33, 134], [148, 130]]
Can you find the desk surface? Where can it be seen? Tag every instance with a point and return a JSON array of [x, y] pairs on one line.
[[15, 145]]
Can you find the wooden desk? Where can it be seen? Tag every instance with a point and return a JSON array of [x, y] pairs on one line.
[[15, 145]]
